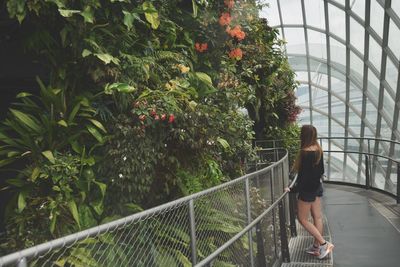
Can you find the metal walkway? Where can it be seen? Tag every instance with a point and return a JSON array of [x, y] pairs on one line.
[[364, 226]]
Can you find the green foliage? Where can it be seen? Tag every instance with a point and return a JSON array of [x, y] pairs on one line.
[[135, 114], [48, 144]]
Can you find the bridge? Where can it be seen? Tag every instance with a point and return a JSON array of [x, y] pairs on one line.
[[249, 221]]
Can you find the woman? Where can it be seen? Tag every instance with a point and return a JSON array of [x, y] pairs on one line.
[[310, 168]]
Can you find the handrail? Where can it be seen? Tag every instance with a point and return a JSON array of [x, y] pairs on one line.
[[338, 137], [392, 158], [245, 230], [21, 257]]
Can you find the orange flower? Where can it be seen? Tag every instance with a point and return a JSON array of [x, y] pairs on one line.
[[225, 19], [229, 3], [236, 32], [201, 47], [236, 53]]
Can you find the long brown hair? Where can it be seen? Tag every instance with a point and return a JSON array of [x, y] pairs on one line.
[[308, 137]]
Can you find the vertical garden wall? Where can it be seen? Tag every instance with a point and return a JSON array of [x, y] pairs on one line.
[[144, 102]]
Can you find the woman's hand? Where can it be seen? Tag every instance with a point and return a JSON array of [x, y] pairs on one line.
[[287, 189]]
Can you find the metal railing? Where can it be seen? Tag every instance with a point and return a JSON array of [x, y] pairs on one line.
[[242, 222], [378, 169]]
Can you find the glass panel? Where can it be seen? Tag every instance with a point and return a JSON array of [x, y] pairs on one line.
[[356, 95], [315, 13], [377, 18], [304, 117], [321, 123], [295, 41], [320, 99], [354, 124], [391, 75], [358, 7], [302, 94], [317, 44], [337, 21], [291, 12], [386, 131], [302, 76], [375, 53], [368, 132], [339, 111], [357, 35], [319, 79], [356, 67], [371, 113], [338, 52], [271, 13], [339, 85], [337, 130], [388, 104], [394, 34]]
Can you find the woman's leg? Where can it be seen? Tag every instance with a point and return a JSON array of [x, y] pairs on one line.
[[317, 217], [303, 210]]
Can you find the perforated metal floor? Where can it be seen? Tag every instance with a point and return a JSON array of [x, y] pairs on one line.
[[297, 246]]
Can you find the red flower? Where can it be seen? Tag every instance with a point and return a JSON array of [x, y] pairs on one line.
[[171, 118], [225, 19], [236, 32], [153, 112], [236, 53], [229, 3], [142, 117], [163, 117], [201, 47], [156, 117]]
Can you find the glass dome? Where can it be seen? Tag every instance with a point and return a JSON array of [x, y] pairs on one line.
[[346, 55]]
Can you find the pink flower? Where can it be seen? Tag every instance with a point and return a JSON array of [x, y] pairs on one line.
[[171, 118], [142, 117], [157, 118], [163, 117]]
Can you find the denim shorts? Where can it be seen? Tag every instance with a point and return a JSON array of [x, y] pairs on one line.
[[311, 196]]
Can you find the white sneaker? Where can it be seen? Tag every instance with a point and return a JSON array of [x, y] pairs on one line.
[[312, 250], [325, 250]]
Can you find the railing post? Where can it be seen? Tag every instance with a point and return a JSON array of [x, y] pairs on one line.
[[192, 232], [398, 183], [292, 203], [248, 212], [283, 234], [22, 263], [261, 261], [367, 173]]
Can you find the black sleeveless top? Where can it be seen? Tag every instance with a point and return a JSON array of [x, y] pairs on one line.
[[309, 175]]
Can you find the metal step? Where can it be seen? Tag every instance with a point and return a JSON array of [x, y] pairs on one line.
[[297, 246]]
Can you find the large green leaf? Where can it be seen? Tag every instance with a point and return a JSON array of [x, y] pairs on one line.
[[223, 142], [74, 211], [151, 14], [21, 201], [204, 78], [107, 58], [68, 12], [88, 14], [119, 87], [129, 18], [26, 120], [98, 125], [95, 133], [49, 155]]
